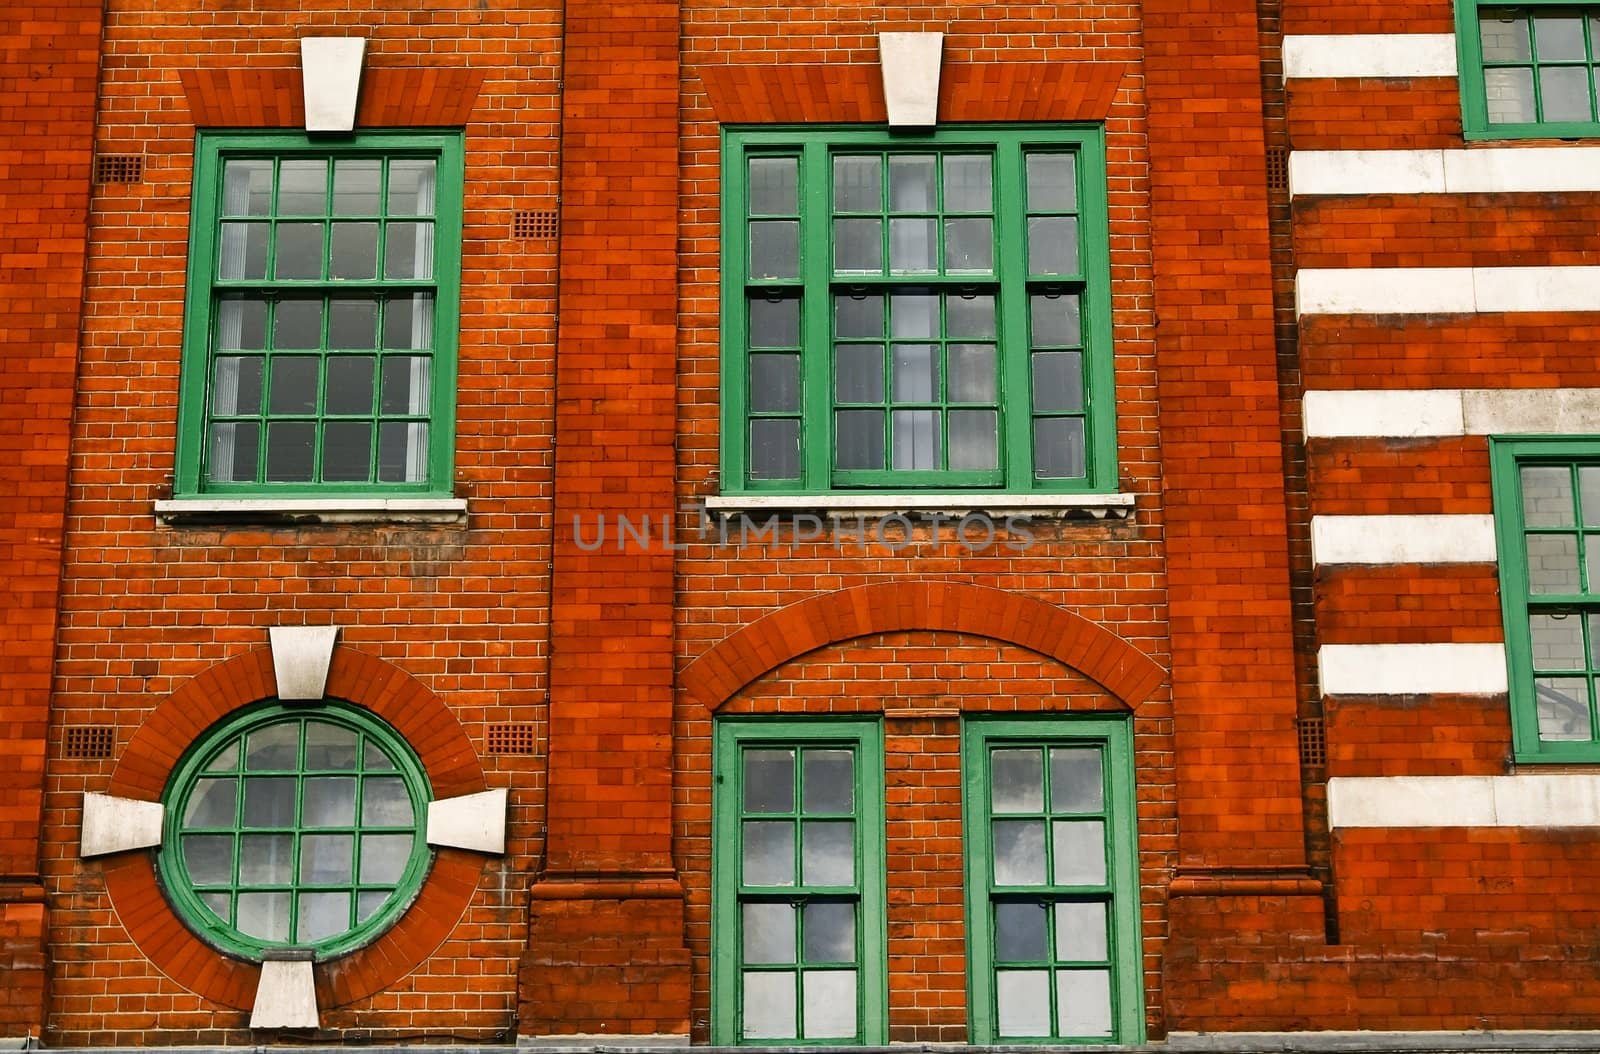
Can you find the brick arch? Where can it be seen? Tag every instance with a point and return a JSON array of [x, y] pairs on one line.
[[142, 771], [982, 611]]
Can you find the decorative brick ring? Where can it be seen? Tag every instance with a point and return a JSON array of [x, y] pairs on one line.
[[981, 611], [142, 772]]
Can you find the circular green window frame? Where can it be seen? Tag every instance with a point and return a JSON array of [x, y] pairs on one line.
[[207, 759]]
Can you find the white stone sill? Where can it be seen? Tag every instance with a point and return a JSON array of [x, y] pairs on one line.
[[1097, 506], [275, 511]]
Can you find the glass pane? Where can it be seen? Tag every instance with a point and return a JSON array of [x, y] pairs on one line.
[[350, 384], [916, 373], [916, 439], [1016, 779], [970, 316], [294, 385], [830, 1003], [1022, 1002], [355, 186], [269, 802], [1564, 92], [402, 452], [1055, 319], [1020, 932], [1589, 487], [857, 246], [830, 932], [774, 383], [274, 747], [858, 373], [264, 916], [408, 250], [774, 249], [209, 859], [406, 386], [1019, 853], [1052, 183], [1057, 381], [1547, 496], [859, 437], [858, 316], [769, 1005], [243, 251], [322, 915], [911, 183], [211, 804], [236, 386], [1557, 641], [768, 932], [1509, 94], [974, 440], [353, 324], [297, 324], [412, 186], [774, 186], [384, 857], [408, 321], [327, 859], [774, 323], [1505, 39], [373, 758], [828, 781], [914, 315], [355, 250], [768, 853], [266, 859], [1052, 245], [1075, 783], [973, 378], [1559, 38], [913, 246], [1058, 447], [226, 759], [1080, 852], [247, 187], [368, 904], [1553, 564], [828, 853], [328, 802], [1083, 1005], [303, 187], [968, 246], [768, 781], [289, 452], [968, 184], [1563, 707], [299, 250], [385, 802], [775, 449], [857, 184], [219, 904], [241, 323], [1081, 932]]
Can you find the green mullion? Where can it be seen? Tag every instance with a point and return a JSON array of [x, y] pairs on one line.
[[816, 317], [1011, 322]]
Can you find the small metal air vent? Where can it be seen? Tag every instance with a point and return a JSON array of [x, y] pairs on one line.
[[1313, 742], [118, 168], [90, 742], [513, 737], [1277, 168], [533, 224]]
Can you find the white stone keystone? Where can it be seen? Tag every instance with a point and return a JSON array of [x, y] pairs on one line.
[[301, 656], [286, 996], [910, 66], [330, 75]]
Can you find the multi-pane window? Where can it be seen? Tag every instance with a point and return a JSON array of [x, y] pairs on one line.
[[1547, 512], [798, 864], [916, 312], [295, 827], [1052, 907], [1530, 70], [320, 333]]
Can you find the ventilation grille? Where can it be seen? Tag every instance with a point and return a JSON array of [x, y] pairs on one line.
[[513, 737], [118, 168], [1313, 742], [1277, 168], [90, 742], [533, 224]]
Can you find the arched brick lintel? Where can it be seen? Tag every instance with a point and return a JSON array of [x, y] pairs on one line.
[[142, 771], [827, 618]]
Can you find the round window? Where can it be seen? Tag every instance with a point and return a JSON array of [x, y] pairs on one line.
[[297, 827]]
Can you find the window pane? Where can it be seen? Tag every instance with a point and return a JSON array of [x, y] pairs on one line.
[[1022, 1002], [1083, 1005], [211, 804], [1052, 183], [774, 249], [355, 251], [1553, 564], [241, 323], [355, 186], [774, 323], [274, 747], [1058, 447], [236, 385], [1559, 38], [353, 324], [408, 250], [858, 373], [1557, 641], [828, 781], [219, 904], [1509, 95], [774, 383], [1017, 780], [327, 859], [830, 1003], [774, 186], [243, 251], [768, 853], [406, 385], [408, 321], [264, 916], [972, 373], [828, 853], [290, 450], [247, 187], [329, 746], [297, 324], [299, 250], [1019, 853], [970, 316], [857, 184], [911, 183], [328, 802], [916, 439], [858, 316], [322, 915], [1564, 93], [402, 452], [974, 440], [913, 246], [1057, 381], [384, 857], [294, 385], [412, 187], [1020, 932], [350, 382], [369, 904], [830, 932], [857, 247], [1080, 852], [303, 187], [209, 858], [1081, 932], [768, 781], [1546, 496], [1053, 245], [775, 449], [859, 439], [914, 315], [769, 1004], [266, 859], [1505, 38], [385, 802], [969, 246], [916, 373], [1075, 780], [968, 184], [269, 802], [768, 932], [1563, 707], [1055, 319]]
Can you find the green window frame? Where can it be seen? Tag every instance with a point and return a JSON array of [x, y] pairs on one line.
[[904, 312], [1529, 70], [320, 319], [798, 884], [1052, 885], [295, 827], [1547, 525]]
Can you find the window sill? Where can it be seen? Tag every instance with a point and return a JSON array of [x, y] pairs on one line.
[[1038, 506], [296, 511]]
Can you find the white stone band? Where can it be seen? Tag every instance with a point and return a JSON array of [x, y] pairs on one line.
[[1556, 800], [1411, 413], [1459, 539], [1412, 669], [1394, 55], [1445, 290], [1496, 170]]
